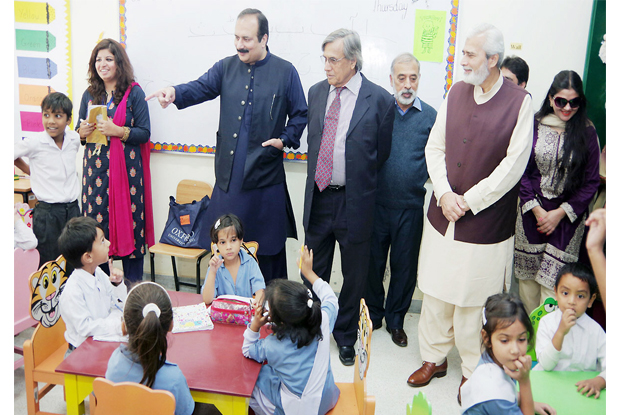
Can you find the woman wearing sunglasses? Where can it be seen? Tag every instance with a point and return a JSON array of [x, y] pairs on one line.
[[559, 182]]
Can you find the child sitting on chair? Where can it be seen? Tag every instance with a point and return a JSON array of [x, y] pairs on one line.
[[148, 316], [91, 303], [297, 378], [568, 339], [232, 271]]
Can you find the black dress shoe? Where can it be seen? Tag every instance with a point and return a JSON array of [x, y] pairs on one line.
[[347, 355], [399, 336], [377, 325]]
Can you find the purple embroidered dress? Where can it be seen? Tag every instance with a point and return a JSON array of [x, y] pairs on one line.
[[539, 256]]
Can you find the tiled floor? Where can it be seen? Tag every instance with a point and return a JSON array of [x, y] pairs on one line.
[[389, 369]]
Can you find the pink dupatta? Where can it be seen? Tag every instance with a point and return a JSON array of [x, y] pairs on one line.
[[121, 232]]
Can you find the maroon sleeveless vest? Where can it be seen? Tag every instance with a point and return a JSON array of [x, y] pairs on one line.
[[476, 141]]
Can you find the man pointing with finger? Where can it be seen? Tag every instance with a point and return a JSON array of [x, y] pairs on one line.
[[257, 91], [476, 154]]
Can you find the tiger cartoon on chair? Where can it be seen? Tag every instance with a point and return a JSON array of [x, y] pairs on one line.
[[47, 285]]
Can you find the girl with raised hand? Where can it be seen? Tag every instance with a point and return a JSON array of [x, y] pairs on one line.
[[297, 378]]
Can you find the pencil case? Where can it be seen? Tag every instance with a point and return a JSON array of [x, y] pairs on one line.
[[231, 311]]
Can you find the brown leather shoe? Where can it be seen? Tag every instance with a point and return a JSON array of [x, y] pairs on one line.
[[461, 383], [426, 372]]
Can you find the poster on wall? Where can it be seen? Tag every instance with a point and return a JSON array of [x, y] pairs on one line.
[[199, 33], [42, 59]]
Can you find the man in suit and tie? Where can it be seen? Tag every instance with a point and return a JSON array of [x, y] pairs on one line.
[[350, 125]]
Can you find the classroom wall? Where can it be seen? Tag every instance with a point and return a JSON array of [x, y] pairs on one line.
[[553, 35]]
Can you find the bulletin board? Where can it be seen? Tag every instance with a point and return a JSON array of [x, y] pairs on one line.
[[42, 61], [171, 42]]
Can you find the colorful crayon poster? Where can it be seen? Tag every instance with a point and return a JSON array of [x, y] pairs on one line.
[[42, 59], [429, 35]]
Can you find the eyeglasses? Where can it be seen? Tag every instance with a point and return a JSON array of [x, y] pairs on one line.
[[561, 102], [331, 61]]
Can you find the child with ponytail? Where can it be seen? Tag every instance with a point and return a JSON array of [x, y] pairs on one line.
[[297, 378], [147, 319]]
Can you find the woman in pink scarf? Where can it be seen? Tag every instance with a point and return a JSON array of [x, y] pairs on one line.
[[116, 185]]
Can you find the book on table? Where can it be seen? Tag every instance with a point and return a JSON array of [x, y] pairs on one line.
[[191, 318]]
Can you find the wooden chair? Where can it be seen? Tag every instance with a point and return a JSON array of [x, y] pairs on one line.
[[186, 192], [24, 264], [252, 248], [129, 398], [26, 213], [47, 346], [354, 398]]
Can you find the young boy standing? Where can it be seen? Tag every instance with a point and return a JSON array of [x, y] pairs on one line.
[[568, 339], [53, 178], [92, 303]]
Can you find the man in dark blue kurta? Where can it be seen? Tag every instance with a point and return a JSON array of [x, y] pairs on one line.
[[258, 91]]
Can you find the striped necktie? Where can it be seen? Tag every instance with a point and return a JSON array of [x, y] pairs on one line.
[[323, 174]]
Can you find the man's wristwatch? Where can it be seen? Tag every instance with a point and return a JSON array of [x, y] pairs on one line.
[[283, 143]]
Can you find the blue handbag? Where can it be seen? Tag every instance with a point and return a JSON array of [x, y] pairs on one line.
[[187, 224]]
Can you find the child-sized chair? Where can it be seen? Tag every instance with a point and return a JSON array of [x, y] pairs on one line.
[[129, 398], [420, 405], [251, 247], [24, 264], [26, 213], [47, 346], [354, 398], [550, 305], [186, 192]]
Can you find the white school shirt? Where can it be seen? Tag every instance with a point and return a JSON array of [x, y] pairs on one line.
[[53, 176], [583, 348], [489, 382], [91, 306]]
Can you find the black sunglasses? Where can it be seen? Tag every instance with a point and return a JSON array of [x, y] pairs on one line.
[[561, 102]]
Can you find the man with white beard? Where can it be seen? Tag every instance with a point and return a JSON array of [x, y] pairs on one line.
[[399, 203], [476, 154]]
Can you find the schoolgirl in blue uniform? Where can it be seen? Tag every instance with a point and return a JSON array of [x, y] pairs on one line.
[[232, 271], [297, 378], [148, 316], [506, 333]]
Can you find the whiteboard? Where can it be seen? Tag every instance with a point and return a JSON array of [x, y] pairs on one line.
[[175, 41]]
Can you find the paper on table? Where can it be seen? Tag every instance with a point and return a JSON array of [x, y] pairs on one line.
[[236, 297], [111, 338], [191, 318], [96, 113]]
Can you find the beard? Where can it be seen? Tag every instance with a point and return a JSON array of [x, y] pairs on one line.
[[403, 100], [477, 77]]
